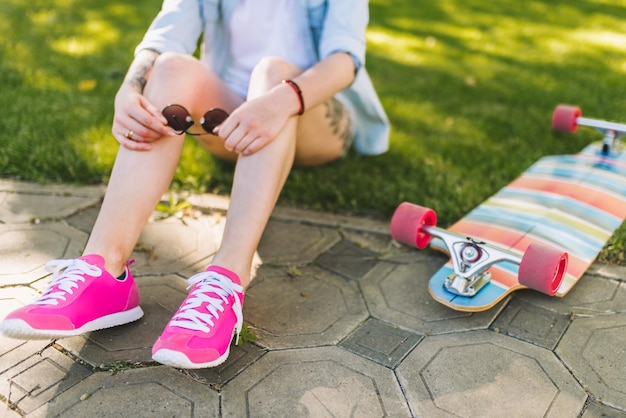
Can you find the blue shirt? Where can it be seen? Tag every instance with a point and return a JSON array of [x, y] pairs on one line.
[[336, 25]]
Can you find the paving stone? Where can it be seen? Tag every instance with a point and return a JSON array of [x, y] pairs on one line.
[[485, 374], [147, 392], [380, 243], [594, 350], [7, 412], [597, 410], [12, 298], [84, 220], [591, 295], [313, 308], [169, 245], [348, 259], [22, 202], [323, 381], [340, 311], [295, 242], [609, 271], [63, 190], [380, 342], [241, 356], [341, 222], [531, 323], [25, 249], [398, 294], [39, 373]]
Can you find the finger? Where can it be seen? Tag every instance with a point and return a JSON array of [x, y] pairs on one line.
[[139, 132], [135, 146], [244, 143], [154, 111], [132, 131], [255, 145], [251, 148], [129, 141], [225, 129], [148, 123], [232, 139]]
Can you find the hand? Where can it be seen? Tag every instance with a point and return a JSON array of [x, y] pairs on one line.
[[137, 122], [255, 123]]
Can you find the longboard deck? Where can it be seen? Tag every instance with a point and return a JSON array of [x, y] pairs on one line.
[[573, 202]]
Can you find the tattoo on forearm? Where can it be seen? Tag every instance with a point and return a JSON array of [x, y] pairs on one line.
[[340, 122], [138, 75]]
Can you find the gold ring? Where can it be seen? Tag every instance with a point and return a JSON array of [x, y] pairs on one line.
[[129, 134]]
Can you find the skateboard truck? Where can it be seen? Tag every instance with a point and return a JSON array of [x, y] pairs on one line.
[[568, 118], [541, 267], [470, 260]]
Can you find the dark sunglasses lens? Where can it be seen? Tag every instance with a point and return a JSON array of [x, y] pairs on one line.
[[177, 118], [213, 118]]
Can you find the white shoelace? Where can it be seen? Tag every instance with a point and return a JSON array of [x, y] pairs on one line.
[[189, 315], [65, 277]]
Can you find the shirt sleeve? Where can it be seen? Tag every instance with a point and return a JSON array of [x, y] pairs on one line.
[[344, 29], [178, 26]]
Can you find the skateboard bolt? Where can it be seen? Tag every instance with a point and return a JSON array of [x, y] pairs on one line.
[[471, 253]]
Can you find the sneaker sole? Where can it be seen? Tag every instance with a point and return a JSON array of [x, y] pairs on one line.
[[18, 328], [177, 359]]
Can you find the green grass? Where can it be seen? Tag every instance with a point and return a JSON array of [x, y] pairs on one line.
[[469, 87]]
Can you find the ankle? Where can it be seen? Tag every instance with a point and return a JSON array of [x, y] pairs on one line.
[[114, 263], [234, 277], [241, 272]]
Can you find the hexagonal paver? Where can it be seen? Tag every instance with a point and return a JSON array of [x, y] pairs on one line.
[[598, 410], [85, 219], [39, 373], [325, 381], [485, 374], [594, 349], [240, 357], [313, 308], [23, 202], [591, 295], [12, 298], [25, 249], [171, 245], [398, 294], [148, 392], [348, 259], [528, 322], [609, 271], [294, 242], [381, 342]]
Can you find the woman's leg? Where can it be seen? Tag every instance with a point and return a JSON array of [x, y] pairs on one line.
[[319, 136], [139, 178]]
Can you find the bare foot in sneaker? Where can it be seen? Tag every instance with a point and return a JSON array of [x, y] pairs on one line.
[[82, 297], [200, 333]]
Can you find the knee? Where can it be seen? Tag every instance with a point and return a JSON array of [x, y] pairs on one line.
[[168, 63], [271, 70]]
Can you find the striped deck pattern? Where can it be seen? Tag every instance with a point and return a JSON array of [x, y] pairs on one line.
[[573, 202]]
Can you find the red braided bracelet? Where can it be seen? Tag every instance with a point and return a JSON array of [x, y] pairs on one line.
[[296, 88]]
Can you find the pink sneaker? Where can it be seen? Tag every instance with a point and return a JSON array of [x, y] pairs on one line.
[[200, 333], [82, 297]]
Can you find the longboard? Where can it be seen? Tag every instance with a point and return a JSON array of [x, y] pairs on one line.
[[561, 211]]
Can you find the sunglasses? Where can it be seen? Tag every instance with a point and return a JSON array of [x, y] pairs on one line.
[[179, 119]]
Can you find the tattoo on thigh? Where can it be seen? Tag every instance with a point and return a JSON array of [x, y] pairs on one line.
[[340, 122]]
